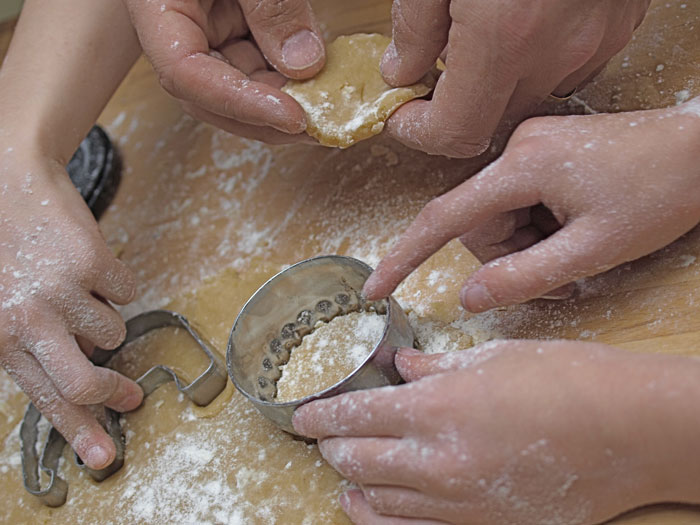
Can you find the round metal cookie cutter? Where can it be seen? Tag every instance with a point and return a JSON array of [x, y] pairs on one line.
[[287, 307]]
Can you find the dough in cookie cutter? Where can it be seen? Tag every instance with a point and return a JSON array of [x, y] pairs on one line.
[[348, 101], [202, 391]]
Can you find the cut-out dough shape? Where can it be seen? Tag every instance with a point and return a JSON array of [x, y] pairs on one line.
[[329, 354], [348, 100]]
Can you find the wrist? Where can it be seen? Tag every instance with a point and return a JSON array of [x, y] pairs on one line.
[[27, 130]]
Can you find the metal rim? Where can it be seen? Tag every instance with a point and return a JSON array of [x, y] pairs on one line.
[[322, 393]]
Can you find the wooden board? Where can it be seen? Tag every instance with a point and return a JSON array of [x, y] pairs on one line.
[[195, 201]]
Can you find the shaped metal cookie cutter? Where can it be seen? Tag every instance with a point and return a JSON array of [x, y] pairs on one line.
[[202, 391]]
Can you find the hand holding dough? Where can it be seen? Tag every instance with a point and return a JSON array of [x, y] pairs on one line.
[[348, 100]]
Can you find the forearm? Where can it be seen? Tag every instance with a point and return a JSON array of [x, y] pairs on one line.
[[669, 401], [66, 59]]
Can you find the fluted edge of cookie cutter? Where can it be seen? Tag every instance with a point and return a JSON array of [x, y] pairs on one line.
[[377, 370], [202, 391]]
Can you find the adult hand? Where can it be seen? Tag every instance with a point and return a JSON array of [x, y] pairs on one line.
[[514, 432], [213, 56], [503, 58], [56, 276], [570, 197]]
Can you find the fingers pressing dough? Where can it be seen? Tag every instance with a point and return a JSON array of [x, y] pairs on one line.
[[348, 100]]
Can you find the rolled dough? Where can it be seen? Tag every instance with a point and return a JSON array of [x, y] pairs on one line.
[[348, 100], [329, 353]]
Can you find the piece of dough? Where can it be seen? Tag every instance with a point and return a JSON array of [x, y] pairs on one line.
[[328, 354], [348, 100]]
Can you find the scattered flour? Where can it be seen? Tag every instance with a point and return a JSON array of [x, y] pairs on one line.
[[329, 353]]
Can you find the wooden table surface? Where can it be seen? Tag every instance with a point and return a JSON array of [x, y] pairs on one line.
[[176, 222]]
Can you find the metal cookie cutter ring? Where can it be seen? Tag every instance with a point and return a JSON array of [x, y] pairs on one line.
[[288, 306], [202, 391]]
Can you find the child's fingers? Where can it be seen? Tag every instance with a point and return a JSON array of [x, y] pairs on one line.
[[79, 381], [499, 228], [494, 191], [577, 250], [414, 365], [86, 346], [75, 423], [363, 413], [359, 511], [117, 283], [413, 505], [287, 34], [372, 460], [519, 240], [96, 321]]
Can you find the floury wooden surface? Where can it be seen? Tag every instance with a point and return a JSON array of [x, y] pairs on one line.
[[196, 202]]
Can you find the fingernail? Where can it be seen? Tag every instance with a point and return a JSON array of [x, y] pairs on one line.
[[344, 501], [133, 401], [127, 398], [302, 50], [97, 457], [298, 421], [390, 63], [370, 288], [476, 298]]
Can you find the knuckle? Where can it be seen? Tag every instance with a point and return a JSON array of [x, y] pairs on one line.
[[49, 406], [531, 127], [342, 456], [526, 149], [458, 142], [433, 212], [412, 26], [115, 333], [81, 390], [271, 13], [121, 282]]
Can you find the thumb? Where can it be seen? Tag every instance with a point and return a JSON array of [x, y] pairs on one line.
[[578, 250], [419, 30], [414, 365], [287, 34]]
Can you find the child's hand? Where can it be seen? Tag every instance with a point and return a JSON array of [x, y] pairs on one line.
[[515, 432], [215, 55], [503, 58], [56, 273], [616, 187]]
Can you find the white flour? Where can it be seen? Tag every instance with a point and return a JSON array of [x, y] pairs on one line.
[[329, 353]]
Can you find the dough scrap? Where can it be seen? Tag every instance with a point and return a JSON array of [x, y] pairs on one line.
[[348, 100], [329, 354]]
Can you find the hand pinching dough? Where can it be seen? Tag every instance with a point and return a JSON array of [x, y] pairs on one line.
[[329, 354], [348, 100]]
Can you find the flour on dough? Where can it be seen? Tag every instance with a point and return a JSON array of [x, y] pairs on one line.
[[329, 354], [348, 100]]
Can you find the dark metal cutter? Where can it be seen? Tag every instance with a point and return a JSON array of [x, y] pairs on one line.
[[202, 391]]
